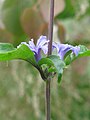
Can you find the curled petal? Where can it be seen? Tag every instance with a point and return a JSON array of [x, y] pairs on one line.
[[45, 49], [62, 52], [55, 45], [32, 46], [76, 50], [62, 49], [42, 41]]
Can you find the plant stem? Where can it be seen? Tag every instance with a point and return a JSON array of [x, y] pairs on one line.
[[50, 28], [50, 36], [48, 114]]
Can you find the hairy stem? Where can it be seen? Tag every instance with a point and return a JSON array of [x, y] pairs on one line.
[[50, 36]]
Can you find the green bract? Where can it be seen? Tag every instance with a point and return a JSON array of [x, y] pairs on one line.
[[53, 62]]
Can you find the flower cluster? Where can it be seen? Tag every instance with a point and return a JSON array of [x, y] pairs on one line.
[[42, 44]]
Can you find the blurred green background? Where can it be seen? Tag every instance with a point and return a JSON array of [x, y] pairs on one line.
[[21, 87]]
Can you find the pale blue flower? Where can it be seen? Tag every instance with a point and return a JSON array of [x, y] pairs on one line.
[[62, 49], [42, 44]]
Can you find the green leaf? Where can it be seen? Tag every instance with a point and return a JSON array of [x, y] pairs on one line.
[[8, 52], [45, 61], [5, 47], [54, 61], [84, 52], [59, 65]]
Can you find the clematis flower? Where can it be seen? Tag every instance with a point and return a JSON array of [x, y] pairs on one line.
[[42, 44], [62, 49]]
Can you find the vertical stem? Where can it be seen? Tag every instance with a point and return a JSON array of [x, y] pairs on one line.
[[50, 36], [50, 28], [48, 113]]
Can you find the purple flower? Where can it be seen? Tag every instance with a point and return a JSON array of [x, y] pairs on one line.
[[42, 44], [62, 49]]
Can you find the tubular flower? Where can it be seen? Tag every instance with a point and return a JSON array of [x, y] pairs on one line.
[[42, 44], [62, 49]]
